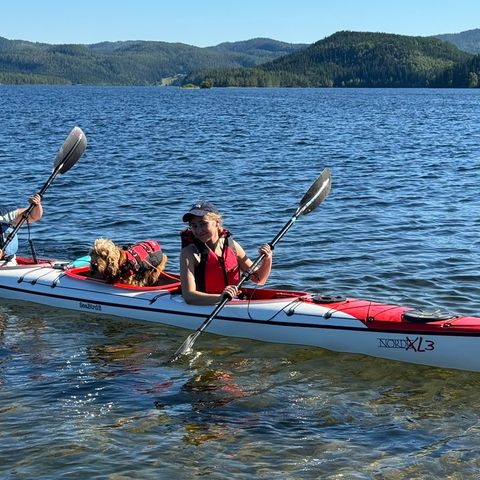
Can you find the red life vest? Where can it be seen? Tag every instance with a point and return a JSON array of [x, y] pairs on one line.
[[142, 256], [213, 273]]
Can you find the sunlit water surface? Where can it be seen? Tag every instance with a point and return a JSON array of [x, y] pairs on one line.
[[83, 396]]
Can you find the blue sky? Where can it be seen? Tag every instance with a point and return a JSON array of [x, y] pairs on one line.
[[210, 22]]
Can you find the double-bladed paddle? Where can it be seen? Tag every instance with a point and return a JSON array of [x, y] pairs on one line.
[[68, 155], [315, 195]]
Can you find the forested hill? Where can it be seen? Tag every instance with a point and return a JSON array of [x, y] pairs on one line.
[[345, 59], [468, 41], [360, 59], [128, 63]]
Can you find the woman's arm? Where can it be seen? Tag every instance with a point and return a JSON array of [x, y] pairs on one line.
[[262, 272]]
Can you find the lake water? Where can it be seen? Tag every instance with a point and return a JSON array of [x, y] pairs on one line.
[[83, 396]]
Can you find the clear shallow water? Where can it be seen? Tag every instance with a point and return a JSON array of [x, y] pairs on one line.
[[89, 397]]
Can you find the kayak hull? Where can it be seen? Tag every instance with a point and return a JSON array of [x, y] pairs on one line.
[[278, 316]]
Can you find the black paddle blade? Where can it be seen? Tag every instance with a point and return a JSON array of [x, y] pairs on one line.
[[317, 193], [71, 150]]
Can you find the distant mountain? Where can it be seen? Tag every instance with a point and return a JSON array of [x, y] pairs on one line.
[[258, 50], [345, 59], [468, 41], [127, 63], [352, 59]]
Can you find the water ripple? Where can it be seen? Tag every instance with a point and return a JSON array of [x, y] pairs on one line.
[[89, 397]]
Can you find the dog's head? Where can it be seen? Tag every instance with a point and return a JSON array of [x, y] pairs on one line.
[[105, 259]]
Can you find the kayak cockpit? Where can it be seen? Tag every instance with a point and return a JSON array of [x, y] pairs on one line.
[[255, 294], [167, 281]]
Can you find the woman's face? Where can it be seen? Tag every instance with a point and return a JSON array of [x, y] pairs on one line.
[[204, 228]]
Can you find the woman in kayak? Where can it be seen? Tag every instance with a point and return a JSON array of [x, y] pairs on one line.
[[9, 218], [211, 261]]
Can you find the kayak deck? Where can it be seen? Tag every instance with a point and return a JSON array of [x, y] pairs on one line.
[[374, 316]]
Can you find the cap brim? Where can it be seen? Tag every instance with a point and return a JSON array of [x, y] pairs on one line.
[[195, 213]]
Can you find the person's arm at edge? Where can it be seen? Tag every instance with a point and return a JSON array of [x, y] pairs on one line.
[[36, 213]]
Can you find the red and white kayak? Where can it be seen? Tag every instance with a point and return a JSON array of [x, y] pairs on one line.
[[351, 325]]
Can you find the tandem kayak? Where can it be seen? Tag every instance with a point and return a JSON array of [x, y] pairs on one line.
[[433, 338]]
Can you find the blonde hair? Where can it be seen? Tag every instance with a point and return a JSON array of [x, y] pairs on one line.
[[217, 217]]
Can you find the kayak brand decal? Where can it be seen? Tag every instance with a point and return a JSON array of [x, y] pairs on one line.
[[415, 344], [90, 306]]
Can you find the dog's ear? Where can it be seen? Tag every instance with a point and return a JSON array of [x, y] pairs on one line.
[[106, 255], [113, 267], [163, 264]]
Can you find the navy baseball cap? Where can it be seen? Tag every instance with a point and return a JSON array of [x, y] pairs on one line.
[[200, 209]]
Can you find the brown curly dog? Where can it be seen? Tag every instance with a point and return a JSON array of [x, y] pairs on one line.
[[139, 265]]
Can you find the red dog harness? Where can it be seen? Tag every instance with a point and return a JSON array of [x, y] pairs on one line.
[[142, 256]]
